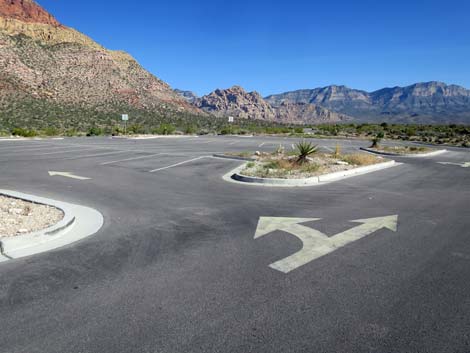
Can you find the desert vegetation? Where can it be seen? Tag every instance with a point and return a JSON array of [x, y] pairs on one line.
[[303, 162]]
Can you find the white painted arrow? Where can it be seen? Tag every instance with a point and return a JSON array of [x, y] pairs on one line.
[[68, 175], [316, 244], [463, 165]]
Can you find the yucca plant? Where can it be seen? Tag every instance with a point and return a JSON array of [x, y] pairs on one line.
[[304, 150]]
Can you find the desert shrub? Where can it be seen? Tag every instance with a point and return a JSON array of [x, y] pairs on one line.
[[360, 159], [95, 131], [51, 131], [23, 132], [164, 129], [377, 139]]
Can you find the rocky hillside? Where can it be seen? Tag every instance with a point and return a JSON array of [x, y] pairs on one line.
[[431, 102], [49, 69], [237, 102]]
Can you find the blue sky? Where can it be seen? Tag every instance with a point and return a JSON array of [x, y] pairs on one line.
[[277, 46]]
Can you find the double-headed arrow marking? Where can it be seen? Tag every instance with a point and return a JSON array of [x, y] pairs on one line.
[[68, 175], [315, 243]]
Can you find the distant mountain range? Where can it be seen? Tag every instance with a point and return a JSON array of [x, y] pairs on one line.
[[52, 75], [429, 102], [236, 102]]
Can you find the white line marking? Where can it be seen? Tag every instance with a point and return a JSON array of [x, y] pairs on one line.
[[261, 144], [463, 165], [68, 175], [233, 143], [25, 148], [316, 244], [97, 155], [177, 164], [327, 148], [130, 159], [59, 152]]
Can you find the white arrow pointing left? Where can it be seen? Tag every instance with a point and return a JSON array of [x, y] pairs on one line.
[[68, 175]]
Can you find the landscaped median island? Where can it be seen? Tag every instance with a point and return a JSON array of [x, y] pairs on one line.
[[400, 151], [304, 166], [19, 217], [32, 224]]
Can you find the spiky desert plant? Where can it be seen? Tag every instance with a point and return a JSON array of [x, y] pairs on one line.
[[304, 150]]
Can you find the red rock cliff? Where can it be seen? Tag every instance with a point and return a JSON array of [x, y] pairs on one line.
[[26, 11]]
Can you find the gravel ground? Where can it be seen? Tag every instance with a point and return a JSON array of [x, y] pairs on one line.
[[321, 164], [18, 217]]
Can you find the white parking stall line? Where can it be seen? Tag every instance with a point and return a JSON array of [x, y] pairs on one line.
[[233, 143], [261, 144], [177, 164], [130, 159], [25, 148], [98, 155], [69, 151], [327, 148]]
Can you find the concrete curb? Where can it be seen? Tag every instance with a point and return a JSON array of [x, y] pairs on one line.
[[79, 222], [236, 177], [420, 155], [223, 156]]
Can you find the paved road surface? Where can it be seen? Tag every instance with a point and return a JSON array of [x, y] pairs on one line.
[[176, 267]]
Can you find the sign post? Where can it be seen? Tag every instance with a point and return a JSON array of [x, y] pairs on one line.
[[125, 118]]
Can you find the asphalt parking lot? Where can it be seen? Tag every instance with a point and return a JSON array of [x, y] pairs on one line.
[[177, 268]]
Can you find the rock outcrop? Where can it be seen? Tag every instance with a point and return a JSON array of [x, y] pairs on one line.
[[235, 101], [26, 11]]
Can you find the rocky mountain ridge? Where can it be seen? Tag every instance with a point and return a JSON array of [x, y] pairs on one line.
[[45, 64], [236, 102], [421, 102]]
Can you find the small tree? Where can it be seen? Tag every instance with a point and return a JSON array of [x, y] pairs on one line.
[[304, 150], [377, 139]]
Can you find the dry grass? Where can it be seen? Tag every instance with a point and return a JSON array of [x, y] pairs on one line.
[[405, 149], [361, 159]]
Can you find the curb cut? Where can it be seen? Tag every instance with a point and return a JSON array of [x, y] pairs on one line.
[[429, 154], [223, 156], [234, 176], [79, 222]]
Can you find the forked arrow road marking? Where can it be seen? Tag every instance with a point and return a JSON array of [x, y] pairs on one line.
[[68, 175], [316, 244]]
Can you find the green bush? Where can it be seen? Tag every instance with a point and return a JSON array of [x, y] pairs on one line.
[[95, 131], [23, 132], [164, 129]]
